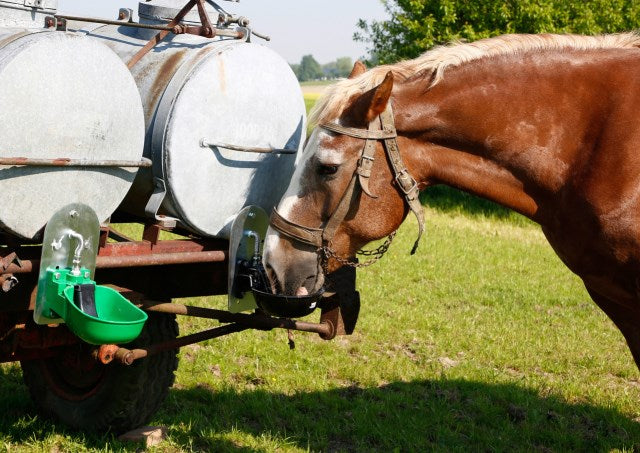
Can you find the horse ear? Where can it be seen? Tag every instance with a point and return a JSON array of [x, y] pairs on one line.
[[358, 69], [380, 98]]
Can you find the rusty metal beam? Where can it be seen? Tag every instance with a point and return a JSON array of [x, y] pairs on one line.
[[237, 322], [157, 259], [68, 162]]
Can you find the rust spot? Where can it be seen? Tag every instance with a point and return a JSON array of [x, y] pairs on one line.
[[163, 77], [61, 162], [11, 38]]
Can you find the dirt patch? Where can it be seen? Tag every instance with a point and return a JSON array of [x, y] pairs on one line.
[[313, 89]]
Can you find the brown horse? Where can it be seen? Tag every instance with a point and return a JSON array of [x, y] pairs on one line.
[[547, 125]]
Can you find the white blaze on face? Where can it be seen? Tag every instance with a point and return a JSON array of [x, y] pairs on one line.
[[324, 155], [276, 259], [291, 196]]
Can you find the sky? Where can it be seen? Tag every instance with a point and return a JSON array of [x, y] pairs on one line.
[[323, 29]]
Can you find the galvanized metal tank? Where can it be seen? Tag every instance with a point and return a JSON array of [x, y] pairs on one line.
[[62, 96], [206, 103]]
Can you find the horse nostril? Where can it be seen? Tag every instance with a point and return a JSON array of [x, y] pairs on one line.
[[272, 278]]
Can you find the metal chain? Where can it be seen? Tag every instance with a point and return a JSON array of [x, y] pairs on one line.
[[325, 252]]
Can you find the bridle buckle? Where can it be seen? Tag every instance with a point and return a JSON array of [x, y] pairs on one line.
[[407, 183]]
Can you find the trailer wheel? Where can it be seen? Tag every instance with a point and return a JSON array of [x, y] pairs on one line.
[[85, 394]]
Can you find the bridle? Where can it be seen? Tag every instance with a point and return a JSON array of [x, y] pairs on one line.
[[382, 128]]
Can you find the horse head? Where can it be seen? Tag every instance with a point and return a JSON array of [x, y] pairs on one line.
[[343, 195]]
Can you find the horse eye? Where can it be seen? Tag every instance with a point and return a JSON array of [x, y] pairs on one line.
[[327, 170]]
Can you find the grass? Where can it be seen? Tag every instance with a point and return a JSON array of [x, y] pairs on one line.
[[482, 341]]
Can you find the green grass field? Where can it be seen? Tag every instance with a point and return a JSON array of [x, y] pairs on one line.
[[482, 341]]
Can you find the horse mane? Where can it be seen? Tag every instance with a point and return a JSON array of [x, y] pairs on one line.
[[434, 62]]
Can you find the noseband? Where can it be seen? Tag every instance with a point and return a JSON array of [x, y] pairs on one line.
[[382, 128]]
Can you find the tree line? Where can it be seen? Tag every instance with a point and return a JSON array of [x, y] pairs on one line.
[[415, 26], [310, 69]]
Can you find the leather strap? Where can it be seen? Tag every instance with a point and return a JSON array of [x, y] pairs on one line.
[[404, 180], [340, 213], [365, 164], [360, 133], [306, 235]]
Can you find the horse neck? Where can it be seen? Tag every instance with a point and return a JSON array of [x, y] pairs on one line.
[[497, 136]]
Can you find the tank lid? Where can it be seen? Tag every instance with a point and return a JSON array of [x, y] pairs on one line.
[[165, 10]]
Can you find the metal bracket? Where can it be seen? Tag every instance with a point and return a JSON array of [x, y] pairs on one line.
[[207, 29], [61, 25], [125, 15], [155, 201], [34, 3]]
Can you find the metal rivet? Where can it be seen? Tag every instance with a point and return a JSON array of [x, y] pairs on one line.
[[86, 275], [57, 275]]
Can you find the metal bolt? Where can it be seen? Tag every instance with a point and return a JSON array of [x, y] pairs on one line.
[[9, 283], [86, 274], [73, 213], [57, 275]]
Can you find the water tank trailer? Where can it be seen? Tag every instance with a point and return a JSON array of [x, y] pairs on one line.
[[179, 123]]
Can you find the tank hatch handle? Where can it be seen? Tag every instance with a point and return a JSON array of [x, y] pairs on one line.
[[204, 143]]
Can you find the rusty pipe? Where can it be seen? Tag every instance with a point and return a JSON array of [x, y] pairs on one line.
[[157, 259], [178, 29], [151, 259], [68, 162], [96, 20], [127, 357], [254, 321]]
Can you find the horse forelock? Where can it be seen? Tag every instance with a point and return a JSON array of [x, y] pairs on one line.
[[433, 63]]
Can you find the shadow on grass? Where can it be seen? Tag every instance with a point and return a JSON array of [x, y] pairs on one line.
[[407, 416], [447, 199]]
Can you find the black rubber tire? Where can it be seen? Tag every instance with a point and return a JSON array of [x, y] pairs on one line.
[[74, 388]]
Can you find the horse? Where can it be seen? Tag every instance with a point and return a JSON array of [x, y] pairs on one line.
[[546, 125]]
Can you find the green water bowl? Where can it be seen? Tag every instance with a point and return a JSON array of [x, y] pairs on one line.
[[118, 320]]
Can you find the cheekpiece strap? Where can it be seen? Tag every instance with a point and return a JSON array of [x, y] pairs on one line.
[[406, 183]]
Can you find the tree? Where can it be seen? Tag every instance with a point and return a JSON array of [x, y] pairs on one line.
[[296, 69], [418, 25], [344, 65], [309, 69], [330, 70], [339, 68]]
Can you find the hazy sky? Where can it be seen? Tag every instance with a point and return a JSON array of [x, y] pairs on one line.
[[297, 27]]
